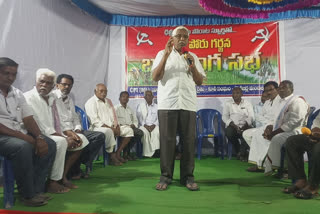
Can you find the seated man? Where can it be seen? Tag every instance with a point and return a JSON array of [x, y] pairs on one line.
[[71, 122], [103, 118], [127, 120], [238, 116], [289, 121], [253, 136], [147, 114], [21, 141], [296, 146], [44, 105]]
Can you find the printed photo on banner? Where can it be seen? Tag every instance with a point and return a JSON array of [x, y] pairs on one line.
[[232, 55]]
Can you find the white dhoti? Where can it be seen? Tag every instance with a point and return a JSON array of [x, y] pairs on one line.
[[274, 152], [258, 148], [150, 141], [126, 131], [248, 134], [85, 142], [110, 141], [58, 163]]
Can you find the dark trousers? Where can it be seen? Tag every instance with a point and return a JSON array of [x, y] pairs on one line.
[[171, 121], [138, 134], [234, 137], [96, 141], [30, 171], [295, 147]]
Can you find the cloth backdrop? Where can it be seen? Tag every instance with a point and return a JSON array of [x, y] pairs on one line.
[[57, 35]]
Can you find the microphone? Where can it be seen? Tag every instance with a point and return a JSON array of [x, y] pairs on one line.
[[185, 51]]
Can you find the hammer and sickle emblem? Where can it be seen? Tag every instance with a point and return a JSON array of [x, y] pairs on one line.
[[141, 38], [263, 35]]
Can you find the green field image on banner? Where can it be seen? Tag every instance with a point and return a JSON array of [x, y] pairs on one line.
[[267, 69]]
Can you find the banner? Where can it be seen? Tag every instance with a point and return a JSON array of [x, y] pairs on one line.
[[246, 56]]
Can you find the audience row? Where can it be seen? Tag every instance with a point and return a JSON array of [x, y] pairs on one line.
[[41, 133]]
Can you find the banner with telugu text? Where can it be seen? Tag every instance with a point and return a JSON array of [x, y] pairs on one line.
[[246, 56]]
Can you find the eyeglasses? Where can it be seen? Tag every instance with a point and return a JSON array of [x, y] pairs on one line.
[[65, 84], [179, 36]]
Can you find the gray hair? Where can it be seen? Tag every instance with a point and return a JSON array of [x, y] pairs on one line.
[[174, 32], [46, 72]]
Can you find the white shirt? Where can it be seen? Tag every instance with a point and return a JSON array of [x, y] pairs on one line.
[[126, 116], [270, 111], [239, 114], [13, 109], [177, 89], [42, 111], [67, 112], [147, 114], [295, 116], [257, 109], [99, 112]]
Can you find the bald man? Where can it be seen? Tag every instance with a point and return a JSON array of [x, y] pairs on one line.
[[103, 118]]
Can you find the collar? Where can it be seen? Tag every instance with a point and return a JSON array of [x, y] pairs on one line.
[[97, 99], [286, 98], [59, 94], [123, 106], [10, 91], [51, 95], [152, 104], [233, 102]]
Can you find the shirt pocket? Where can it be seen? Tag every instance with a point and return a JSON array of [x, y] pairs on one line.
[[245, 111]]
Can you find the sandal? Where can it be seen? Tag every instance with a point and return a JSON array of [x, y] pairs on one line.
[[161, 186], [290, 189], [254, 169], [192, 186], [305, 194], [56, 188]]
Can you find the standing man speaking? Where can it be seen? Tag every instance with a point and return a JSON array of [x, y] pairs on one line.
[[177, 73]]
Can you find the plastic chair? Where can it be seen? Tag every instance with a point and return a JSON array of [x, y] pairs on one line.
[[85, 125], [209, 126], [84, 118], [8, 183], [312, 116]]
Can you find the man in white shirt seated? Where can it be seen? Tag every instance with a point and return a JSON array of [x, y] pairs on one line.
[[253, 136], [147, 114], [289, 121], [44, 105], [31, 154], [70, 121], [103, 118], [127, 119], [238, 116]]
